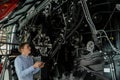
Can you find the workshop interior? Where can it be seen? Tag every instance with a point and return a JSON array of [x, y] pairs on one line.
[[76, 39]]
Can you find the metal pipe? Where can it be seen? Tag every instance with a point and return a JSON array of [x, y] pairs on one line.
[[4, 68]]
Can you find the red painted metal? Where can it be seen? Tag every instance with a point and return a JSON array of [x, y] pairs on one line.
[[7, 8]]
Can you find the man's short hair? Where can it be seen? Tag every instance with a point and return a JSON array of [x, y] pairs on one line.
[[21, 46]]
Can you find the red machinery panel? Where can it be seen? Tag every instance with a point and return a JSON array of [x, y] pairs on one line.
[[7, 7]]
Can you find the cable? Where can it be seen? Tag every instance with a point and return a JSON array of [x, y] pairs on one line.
[[102, 77], [109, 18], [116, 50], [88, 16], [78, 25], [100, 4]]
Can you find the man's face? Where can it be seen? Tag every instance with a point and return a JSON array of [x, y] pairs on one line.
[[26, 50]]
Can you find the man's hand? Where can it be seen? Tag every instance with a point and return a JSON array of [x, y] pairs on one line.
[[38, 65], [42, 65]]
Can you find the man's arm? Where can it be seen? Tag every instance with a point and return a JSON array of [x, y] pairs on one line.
[[40, 66], [36, 70], [19, 69]]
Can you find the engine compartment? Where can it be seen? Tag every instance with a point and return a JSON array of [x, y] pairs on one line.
[[77, 39]]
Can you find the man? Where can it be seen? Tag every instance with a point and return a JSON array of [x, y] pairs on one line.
[[24, 63]]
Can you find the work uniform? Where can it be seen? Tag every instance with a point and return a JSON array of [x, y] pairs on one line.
[[24, 67]]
